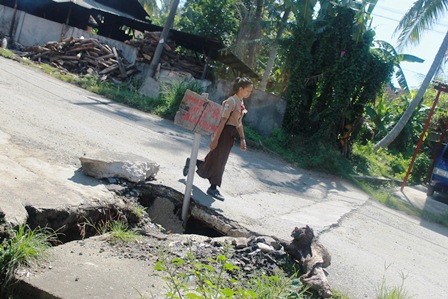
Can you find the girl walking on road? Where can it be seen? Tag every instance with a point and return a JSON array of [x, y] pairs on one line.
[[231, 125]]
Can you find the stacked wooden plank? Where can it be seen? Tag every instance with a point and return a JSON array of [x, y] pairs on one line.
[[85, 56], [170, 59]]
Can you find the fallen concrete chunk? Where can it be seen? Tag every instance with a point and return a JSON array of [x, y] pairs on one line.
[[312, 257], [132, 171]]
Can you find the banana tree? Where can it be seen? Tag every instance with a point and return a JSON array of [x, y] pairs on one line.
[[388, 51]]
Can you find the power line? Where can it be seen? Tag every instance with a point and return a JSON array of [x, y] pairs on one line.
[[433, 30]]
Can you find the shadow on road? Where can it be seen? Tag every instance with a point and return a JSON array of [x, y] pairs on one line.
[[201, 197], [80, 178]]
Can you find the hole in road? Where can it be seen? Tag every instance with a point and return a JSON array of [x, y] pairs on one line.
[[161, 206]]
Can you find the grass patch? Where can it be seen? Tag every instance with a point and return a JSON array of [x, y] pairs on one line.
[[120, 231], [396, 292], [6, 53], [304, 152], [25, 247]]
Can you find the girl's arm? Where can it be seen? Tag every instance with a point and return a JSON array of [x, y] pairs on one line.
[[217, 133], [243, 145]]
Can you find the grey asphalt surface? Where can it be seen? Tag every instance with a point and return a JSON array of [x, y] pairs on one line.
[[46, 125]]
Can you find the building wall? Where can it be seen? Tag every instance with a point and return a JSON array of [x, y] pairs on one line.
[[30, 30], [6, 14], [265, 110]]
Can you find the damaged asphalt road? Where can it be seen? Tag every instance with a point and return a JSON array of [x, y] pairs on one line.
[[46, 125]]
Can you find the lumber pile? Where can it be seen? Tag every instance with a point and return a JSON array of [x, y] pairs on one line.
[[84, 56], [170, 59]]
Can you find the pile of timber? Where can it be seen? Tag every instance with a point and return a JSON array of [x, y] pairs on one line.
[[84, 56], [170, 59]]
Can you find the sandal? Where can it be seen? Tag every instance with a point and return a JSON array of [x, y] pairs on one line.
[[215, 194], [186, 167]]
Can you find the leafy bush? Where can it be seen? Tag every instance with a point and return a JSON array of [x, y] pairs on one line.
[[172, 94], [218, 278], [305, 152]]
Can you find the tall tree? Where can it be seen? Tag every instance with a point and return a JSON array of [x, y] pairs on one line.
[[274, 49], [205, 18], [255, 33], [333, 71], [420, 17]]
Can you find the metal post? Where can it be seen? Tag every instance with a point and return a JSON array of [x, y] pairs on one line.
[[421, 139], [190, 177]]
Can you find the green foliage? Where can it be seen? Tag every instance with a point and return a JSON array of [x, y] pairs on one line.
[[113, 223], [332, 76], [381, 163], [217, 277], [25, 247], [305, 152], [172, 94], [387, 292], [215, 19], [119, 231], [138, 210], [6, 53], [389, 53]]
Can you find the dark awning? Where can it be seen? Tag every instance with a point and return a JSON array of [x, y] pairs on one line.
[[214, 49], [95, 5], [134, 16]]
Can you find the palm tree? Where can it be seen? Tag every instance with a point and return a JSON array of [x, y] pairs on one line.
[[420, 17]]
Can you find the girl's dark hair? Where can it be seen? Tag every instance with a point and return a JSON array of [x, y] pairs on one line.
[[240, 82]]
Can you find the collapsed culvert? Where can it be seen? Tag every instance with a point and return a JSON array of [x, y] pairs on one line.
[[162, 205]]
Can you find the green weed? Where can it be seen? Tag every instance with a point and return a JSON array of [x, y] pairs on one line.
[[397, 292], [6, 53], [25, 247], [219, 278], [120, 231], [138, 210], [172, 94]]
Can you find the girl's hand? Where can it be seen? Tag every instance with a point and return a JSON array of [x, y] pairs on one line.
[[213, 144], [243, 145]]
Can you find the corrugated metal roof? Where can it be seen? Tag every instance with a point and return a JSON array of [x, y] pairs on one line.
[[91, 4]]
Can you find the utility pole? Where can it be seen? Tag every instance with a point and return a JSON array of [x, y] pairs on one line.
[[166, 29]]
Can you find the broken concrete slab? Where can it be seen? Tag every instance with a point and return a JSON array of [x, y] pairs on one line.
[[134, 171]]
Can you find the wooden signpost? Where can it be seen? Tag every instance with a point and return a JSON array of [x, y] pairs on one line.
[[198, 114]]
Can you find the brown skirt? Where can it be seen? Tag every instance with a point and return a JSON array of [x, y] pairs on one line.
[[212, 168]]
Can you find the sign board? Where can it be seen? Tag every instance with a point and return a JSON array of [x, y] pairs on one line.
[[198, 114]]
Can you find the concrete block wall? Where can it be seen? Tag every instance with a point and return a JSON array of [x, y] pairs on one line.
[[265, 110]]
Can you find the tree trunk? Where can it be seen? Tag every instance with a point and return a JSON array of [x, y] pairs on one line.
[[255, 34], [390, 137], [274, 50], [163, 36]]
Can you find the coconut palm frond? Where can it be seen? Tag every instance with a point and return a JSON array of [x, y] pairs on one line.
[[419, 18]]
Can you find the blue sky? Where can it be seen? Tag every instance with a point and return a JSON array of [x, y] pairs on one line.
[[386, 16]]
